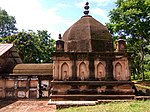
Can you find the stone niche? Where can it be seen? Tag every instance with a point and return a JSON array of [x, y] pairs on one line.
[[121, 69], [62, 69], [100, 70], [82, 70]]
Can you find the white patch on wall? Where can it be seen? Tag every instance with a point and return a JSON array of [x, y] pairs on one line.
[[21, 94], [44, 84]]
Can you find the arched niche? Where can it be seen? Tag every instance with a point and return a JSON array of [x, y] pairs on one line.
[[65, 71], [118, 71], [82, 71], [100, 71]]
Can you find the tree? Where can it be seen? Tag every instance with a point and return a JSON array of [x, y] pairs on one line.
[[7, 24], [46, 46], [32, 47], [132, 18]]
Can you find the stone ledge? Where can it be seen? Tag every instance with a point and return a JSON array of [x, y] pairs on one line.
[[78, 97], [142, 97], [72, 103], [91, 82]]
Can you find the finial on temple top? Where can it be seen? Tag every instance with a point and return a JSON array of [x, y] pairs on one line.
[[86, 7], [60, 36]]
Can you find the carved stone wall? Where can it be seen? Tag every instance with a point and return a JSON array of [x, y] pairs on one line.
[[62, 70], [82, 70], [121, 69], [65, 71], [24, 87], [118, 71], [100, 71]]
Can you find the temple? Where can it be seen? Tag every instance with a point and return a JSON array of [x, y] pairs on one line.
[[86, 66]]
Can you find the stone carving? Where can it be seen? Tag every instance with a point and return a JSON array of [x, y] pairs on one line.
[[100, 71], [82, 57], [118, 71], [65, 71], [82, 71]]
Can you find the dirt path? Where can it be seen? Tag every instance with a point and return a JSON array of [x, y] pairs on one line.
[[28, 106]]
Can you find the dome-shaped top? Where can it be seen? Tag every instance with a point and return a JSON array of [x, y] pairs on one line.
[[87, 35]]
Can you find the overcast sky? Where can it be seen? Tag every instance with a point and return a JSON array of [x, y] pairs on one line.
[[56, 16]]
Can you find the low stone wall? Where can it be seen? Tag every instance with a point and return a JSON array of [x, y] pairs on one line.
[[25, 86]]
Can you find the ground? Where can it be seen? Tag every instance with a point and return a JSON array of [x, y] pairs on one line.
[[26, 106]]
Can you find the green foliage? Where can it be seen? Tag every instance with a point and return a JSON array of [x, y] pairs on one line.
[[135, 106], [7, 24], [132, 19], [32, 47]]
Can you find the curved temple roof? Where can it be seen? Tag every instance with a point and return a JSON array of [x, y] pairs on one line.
[[33, 69], [87, 35]]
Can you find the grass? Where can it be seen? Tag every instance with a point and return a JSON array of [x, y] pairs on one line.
[[134, 106]]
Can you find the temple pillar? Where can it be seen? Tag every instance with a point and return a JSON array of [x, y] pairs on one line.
[[74, 70], [91, 69], [109, 69]]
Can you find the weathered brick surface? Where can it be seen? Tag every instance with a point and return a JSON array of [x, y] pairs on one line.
[[26, 106]]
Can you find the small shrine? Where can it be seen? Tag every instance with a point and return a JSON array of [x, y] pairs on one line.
[[86, 66]]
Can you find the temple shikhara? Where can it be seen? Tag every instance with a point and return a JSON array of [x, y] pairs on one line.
[[85, 67]]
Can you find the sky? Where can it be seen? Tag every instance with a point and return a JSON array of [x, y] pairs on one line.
[[55, 16]]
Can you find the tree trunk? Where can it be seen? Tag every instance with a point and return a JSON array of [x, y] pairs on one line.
[[142, 61], [143, 75]]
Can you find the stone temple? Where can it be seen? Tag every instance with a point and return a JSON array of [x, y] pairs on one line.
[[86, 66]]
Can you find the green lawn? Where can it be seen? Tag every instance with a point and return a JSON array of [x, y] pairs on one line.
[[134, 106]]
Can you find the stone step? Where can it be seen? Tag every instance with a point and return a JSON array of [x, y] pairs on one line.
[[106, 83], [90, 97], [72, 103], [82, 103], [95, 91], [142, 97]]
